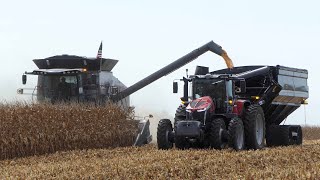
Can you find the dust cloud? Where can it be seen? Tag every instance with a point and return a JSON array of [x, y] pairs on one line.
[[157, 115]]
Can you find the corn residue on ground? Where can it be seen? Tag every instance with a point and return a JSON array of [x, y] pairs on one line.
[[294, 162]]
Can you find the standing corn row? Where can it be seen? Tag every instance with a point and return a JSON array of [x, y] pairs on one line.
[[34, 129]]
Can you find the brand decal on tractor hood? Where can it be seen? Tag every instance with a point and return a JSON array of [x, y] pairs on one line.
[[200, 104]]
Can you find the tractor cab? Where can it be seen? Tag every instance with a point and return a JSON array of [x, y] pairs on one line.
[[220, 90]]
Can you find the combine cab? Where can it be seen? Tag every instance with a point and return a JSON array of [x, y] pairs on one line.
[[74, 78]]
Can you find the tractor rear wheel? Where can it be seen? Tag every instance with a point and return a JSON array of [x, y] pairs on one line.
[[236, 134], [218, 134], [164, 133], [254, 127]]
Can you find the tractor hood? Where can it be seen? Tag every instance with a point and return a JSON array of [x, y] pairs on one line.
[[200, 104]]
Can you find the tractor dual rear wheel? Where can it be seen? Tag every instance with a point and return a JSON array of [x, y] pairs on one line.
[[236, 134], [254, 127], [164, 133]]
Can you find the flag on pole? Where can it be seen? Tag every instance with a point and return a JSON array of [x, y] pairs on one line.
[[99, 55]]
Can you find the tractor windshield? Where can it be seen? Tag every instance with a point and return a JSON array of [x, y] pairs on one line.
[[215, 88]]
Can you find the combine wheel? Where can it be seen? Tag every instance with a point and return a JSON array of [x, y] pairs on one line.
[[164, 133], [218, 134], [236, 134], [254, 127]]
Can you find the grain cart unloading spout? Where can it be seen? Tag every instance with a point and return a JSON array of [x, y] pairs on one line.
[[210, 46]]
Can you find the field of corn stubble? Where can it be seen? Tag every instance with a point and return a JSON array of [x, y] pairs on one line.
[[94, 156]]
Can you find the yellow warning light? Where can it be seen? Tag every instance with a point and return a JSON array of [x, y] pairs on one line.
[[257, 97], [230, 102], [305, 102]]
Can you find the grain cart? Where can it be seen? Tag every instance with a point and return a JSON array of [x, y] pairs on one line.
[[69, 78]]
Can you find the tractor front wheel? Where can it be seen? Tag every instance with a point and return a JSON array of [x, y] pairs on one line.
[[164, 133], [236, 134], [218, 134]]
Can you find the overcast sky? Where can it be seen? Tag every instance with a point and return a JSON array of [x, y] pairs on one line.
[[147, 35]]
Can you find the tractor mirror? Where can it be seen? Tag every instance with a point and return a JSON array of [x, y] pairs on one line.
[[24, 79], [175, 87], [243, 86]]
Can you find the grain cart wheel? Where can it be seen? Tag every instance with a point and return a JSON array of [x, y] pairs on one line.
[[236, 134], [164, 134], [254, 127], [218, 134], [298, 139], [271, 136], [284, 135]]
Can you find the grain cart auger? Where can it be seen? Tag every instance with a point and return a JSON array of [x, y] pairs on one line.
[[238, 107]]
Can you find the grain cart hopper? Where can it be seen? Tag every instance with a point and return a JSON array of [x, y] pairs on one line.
[[238, 106], [80, 79]]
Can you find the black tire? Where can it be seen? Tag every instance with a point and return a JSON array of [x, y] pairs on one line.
[[236, 134], [164, 132], [300, 136], [272, 132], [281, 135], [218, 133], [180, 114], [254, 127], [181, 143]]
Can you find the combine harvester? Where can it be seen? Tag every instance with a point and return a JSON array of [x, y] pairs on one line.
[[79, 79]]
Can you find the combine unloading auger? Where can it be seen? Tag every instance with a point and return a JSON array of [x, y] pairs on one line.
[[210, 46]]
